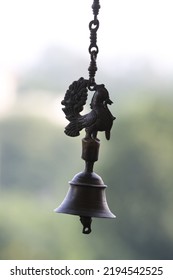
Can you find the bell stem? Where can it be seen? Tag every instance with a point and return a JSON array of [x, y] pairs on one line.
[[89, 166]]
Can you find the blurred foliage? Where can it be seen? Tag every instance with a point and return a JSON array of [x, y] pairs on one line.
[[38, 160], [31, 152]]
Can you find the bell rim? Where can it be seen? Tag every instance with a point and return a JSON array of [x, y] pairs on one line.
[[109, 215]]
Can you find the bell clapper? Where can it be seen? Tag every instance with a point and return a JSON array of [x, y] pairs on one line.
[[86, 222]]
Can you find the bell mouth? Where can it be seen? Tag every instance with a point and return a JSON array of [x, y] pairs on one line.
[[91, 213]]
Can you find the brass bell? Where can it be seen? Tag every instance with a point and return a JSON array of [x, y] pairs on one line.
[[86, 196]]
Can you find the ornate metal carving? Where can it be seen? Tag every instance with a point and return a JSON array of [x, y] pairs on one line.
[[93, 48], [98, 119], [86, 196]]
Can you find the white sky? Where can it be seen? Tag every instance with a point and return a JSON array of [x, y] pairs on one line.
[[128, 29]]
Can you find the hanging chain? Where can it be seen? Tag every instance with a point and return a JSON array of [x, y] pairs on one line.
[[93, 48]]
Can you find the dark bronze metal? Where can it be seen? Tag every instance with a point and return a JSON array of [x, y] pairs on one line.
[[93, 48], [86, 196], [99, 119]]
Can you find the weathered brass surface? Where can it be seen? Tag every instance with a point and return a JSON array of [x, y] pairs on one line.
[[86, 196]]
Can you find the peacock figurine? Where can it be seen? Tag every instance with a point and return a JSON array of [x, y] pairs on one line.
[[98, 119]]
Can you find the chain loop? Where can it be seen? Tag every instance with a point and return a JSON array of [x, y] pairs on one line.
[[93, 48]]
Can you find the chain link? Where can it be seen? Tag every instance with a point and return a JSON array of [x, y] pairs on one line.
[[93, 48]]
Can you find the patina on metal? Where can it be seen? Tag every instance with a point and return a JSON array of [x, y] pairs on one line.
[[93, 48], [98, 119], [86, 196]]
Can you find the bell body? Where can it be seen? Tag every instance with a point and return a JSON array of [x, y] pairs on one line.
[[86, 197]]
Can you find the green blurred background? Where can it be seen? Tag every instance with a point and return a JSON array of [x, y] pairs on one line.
[[37, 160]]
